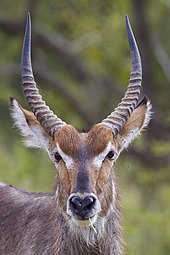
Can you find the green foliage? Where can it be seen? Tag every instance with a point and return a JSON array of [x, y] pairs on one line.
[[95, 34], [145, 195]]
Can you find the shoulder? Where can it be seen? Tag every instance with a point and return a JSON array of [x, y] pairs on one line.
[[9, 192], [2, 184]]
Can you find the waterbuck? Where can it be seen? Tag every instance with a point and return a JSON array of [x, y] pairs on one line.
[[83, 215]]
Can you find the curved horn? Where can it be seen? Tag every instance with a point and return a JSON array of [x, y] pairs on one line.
[[49, 121], [120, 115]]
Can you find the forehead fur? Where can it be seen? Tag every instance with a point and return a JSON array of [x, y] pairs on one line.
[[89, 144], [68, 139], [98, 138]]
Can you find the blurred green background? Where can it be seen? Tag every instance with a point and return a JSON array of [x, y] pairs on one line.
[[81, 64]]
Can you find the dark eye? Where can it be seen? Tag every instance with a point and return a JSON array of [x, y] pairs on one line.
[[57, 156], [110, 155]]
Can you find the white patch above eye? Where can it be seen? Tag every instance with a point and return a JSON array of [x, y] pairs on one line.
[[66, 158], [97, 161]]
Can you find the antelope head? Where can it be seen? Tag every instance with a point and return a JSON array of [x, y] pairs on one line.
[[84, 161]]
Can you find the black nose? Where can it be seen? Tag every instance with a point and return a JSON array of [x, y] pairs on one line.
[[82, 206]]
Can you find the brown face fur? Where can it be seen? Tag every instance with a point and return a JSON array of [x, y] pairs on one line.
[[90, 171], [82, 148], [84, 169]]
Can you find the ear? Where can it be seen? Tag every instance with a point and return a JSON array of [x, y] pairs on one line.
[[138, 120], [33, 133]]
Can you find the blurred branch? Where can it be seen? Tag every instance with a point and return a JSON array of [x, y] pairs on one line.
[[85, 41], [10, 70], [149, 159], [64, 53], [49, 78], [161, 56], [144, 41], [158, 128], [14, 27], [58, 46], [31, 6]]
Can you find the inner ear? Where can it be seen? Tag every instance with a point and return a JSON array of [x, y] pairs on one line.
[[33, 133], [138, 120], [37, 129], [29, 116]]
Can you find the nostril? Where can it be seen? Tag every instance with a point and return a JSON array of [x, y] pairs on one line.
[[82, 206], [76, 202], [88, 203]]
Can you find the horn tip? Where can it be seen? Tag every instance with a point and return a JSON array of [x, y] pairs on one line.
[[28, 18], [28, 15], [26, 68], [126, 17], [128, 26], [131, 38]]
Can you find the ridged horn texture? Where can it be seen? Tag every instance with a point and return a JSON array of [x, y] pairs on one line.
[[49, 121], [122, 112]]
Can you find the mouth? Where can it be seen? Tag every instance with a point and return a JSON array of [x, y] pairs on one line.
[[85, 222]]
